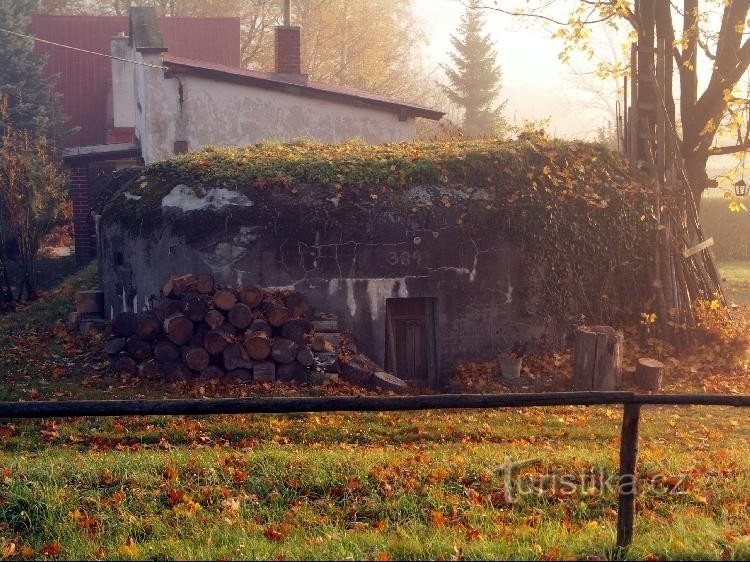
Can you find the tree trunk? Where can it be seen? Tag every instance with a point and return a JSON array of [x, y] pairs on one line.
[[598, 358]]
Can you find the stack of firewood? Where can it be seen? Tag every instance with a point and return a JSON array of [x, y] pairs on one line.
[[199, 329]]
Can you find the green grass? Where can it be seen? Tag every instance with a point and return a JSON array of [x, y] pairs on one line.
[[410, 485], [736, 278], [405, 486]]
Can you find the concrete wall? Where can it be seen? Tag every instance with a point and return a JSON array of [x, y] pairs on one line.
[[347, 252]]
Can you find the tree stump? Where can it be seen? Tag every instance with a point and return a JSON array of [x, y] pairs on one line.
[[598, 358], [648, 374]]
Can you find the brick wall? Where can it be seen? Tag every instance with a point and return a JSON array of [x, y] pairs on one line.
[[82, 224]]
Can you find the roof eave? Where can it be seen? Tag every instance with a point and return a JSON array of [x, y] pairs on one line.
[[303, 89]]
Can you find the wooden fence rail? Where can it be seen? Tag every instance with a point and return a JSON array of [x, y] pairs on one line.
[[628, 439]]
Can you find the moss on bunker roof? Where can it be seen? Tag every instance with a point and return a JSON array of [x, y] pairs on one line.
[[510, 168]]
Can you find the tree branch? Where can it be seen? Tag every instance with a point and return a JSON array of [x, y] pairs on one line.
[[522, 14], [731, 149]]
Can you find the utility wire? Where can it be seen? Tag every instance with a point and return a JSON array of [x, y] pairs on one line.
[[158, 66]]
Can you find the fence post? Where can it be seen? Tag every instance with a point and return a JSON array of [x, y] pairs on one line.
[[627, 483]]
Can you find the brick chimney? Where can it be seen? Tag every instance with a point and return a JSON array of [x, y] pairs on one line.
[[288, 50]]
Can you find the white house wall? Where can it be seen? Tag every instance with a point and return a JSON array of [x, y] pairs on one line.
[[227, 114], [123, 83]]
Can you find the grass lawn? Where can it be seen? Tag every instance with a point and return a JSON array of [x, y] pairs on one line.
[[736, 278], [411, 485]]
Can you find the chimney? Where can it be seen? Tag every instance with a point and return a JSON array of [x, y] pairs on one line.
[[287, 50]]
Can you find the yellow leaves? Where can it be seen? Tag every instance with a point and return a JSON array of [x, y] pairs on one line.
[[648, 318], [9, 549], [277, 533], [129, 549], [438, 519], [51, 549], [709, 127], [736, 207], [170, 472]]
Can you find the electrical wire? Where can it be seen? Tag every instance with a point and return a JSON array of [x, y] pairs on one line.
[[150, 65]]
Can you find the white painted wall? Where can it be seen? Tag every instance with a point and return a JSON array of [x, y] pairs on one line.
[[226, 114], [123, 83]]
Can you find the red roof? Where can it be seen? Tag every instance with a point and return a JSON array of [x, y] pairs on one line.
[[86, 80], [310, 88]]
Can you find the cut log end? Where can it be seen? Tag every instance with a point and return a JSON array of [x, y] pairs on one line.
[[649, 374]]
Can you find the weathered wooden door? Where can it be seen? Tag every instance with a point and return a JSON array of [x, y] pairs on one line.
[[411, 340]]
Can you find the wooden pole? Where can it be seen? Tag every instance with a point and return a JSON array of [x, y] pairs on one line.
[[627, 487]]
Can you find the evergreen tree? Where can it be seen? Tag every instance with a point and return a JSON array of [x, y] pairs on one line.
[[475, 76], [33, 104]]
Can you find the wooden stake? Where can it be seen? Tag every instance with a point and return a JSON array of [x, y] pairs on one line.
[[627, 488]]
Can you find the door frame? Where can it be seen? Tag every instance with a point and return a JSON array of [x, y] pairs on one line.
[[431, 328]]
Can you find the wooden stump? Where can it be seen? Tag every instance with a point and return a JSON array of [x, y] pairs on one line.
[[90, 302], [598, 358], [648, 374]]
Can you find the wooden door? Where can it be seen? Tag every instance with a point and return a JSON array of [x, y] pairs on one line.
[[411, 340]]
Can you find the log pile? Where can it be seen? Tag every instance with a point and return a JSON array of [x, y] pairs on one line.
[[201, 330]]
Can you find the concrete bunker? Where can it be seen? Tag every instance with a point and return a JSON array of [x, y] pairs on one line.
[[425, 272]]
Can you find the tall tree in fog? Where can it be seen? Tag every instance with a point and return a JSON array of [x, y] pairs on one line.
[[474, 77]]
